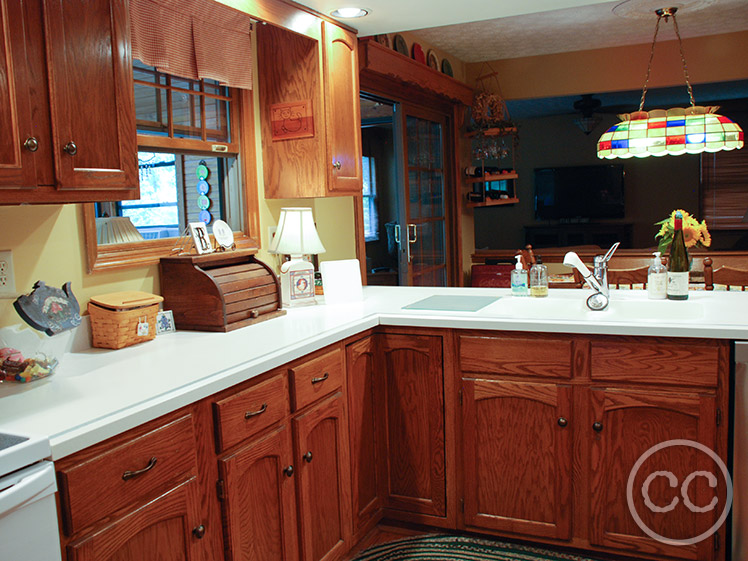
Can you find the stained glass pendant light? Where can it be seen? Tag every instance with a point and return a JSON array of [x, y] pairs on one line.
[[676, 131]]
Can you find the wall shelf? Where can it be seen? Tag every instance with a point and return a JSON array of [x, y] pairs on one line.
[[492, 132], [494, 202], [492, 177]]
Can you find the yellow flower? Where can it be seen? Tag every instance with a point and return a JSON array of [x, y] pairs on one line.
[[706, 237], [695, 233], [691, 235]]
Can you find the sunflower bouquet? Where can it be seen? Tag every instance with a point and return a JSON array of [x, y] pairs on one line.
[[695, 233]]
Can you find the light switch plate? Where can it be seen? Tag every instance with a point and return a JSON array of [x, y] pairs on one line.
[[7, 275]]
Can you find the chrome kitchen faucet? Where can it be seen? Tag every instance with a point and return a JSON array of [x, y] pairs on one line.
[[597, 280]]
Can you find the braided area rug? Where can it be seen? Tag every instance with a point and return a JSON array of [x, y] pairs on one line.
[[459, 548]]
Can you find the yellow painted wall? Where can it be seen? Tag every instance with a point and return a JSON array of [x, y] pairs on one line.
[[714, 58]]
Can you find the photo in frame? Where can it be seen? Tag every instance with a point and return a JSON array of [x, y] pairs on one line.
[[292, 120], [200, 237]]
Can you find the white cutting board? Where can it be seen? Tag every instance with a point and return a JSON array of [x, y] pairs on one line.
[[341, 281]]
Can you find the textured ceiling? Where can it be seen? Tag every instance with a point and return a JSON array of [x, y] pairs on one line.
[[576, 29], [500, 29]]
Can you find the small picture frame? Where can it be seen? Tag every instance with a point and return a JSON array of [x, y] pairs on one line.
[[200, 237], [165, 322]]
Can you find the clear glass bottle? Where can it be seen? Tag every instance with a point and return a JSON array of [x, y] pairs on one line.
[[539, 279], [519, 278]]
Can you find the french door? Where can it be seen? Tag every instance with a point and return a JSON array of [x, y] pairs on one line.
[[422, 225]]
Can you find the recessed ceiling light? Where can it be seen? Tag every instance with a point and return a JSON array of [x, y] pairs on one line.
[[349, 13]]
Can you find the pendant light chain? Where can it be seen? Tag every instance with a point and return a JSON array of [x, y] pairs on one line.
[[649, 64], [683, 60]]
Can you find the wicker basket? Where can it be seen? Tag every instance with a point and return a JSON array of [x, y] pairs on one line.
[[116, 318]]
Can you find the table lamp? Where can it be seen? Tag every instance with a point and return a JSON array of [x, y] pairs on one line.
[[296, 236]]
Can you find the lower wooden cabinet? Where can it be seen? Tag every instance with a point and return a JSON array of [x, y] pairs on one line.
[[517, 457], [626, 424], [414, 471], [167, 528], [324, 486], [259, 499]]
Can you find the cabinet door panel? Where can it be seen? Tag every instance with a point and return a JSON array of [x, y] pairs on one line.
[[630, 424], [91, 95], [517, 457], [343, 109], [414, 419], [16, 162], [364, 402], [161, 529], [324, 480], [260, 503]]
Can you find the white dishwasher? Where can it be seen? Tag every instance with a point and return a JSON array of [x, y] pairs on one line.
[[28, 515]]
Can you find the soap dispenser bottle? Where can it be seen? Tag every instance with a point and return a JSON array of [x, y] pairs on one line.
[[657, 279], [519, 278], [539, 279]]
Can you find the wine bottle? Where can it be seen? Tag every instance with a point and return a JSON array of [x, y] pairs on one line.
[[677, 275]]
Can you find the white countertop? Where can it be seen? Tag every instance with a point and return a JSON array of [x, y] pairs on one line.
[[97, 393]]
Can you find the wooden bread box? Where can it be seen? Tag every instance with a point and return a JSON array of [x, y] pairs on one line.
[[219, 291]]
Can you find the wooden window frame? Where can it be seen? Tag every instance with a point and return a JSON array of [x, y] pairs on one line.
[[139, 254]]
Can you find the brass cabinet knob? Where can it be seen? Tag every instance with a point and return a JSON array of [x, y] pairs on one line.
[[31, 144], [199, 532], [71, 148], [288, 472], [337, 165], [308, 457], [562, 422], [597, 426]]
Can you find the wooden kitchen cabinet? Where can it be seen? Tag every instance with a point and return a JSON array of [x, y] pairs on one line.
[[167, 528], [413, 465], [323, 467], [364, 419], [326, 159], [517, 456], [66, 145], [343, 110], [259, 499]]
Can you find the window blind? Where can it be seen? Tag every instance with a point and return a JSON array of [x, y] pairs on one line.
[[724, 189], [197, 39]]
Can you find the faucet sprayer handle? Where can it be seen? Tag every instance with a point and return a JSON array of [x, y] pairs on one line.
[[571, 259], [610, 253]]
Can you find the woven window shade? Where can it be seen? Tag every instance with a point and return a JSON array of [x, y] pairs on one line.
[[724, 189], [197, 39]]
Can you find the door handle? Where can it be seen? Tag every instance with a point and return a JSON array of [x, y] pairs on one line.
[[397, 234], [410, 239]]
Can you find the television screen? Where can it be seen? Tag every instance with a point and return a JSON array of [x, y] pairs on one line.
[[579, 192]]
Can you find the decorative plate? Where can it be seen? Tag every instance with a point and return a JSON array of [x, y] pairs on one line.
[[202, 171], [400, 45], [383, 40], [447, 68], [223, 234], [203, 202], [205, 216], [418, 54], [432, 60], [203, 187]]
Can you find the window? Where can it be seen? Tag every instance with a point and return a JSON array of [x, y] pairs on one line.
[[190, 170], [724, 189], [371, 218]]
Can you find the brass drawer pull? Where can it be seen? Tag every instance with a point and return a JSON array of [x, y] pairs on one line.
[[322, 379], [133, 474], [260, 411]]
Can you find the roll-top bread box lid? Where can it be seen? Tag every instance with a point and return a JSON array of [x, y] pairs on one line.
[[219, 291]]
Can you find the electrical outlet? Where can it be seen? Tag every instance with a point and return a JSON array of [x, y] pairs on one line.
[[7, 277]]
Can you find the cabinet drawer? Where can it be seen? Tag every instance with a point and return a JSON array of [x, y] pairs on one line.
[[658, 362], [127, 473], [248, 412], [546, 357], [316, 378]]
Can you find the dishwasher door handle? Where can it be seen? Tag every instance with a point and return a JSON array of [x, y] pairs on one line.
[[36, 483]]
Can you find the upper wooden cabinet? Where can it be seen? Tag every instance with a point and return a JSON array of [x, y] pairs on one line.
[[310, 116], [343, 110], [68, 98]]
